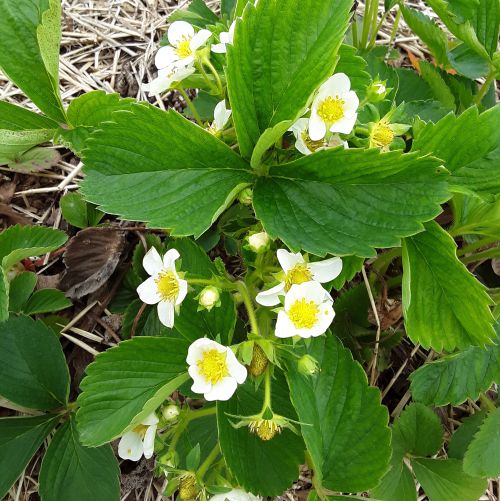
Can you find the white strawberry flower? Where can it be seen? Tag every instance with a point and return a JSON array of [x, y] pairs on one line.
[[140, 440], [163, 287], [215, 370], [235, 495], [308, 311], [298, 271], [334, 108], [184, 42], [225, 37], [306, 145], [166, 78], [221, 117]]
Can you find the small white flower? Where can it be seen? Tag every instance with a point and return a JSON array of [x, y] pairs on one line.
[[334, 108], [163, 287], [171, 412], [166, 78], [306, 145], [297, 271], [140, 440], [379, 88], [308, 311], [258, 242], [215, 369], [183, 45], [221, 117], [209, 297], [235, 495], [225, 37]]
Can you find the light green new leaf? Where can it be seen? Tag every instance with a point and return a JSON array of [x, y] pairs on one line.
[[13, 117], [21, 288], [283, 50], [197, 13], [433, 36], [486, 23], [274, 463], [349, 201], [482, 458], [126, 383], [78, 212], [344, 424], [469, 146], [156, 166], [23, 58], [49, 39], [20, 438], [457, 377], [46, 301], [77, 473], [33, 370], [445, 479], [445, 307]]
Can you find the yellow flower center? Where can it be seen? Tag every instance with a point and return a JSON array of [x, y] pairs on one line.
[[331, 109], [168, 286], [299, 274], [303, 314], [183, 49], [265, 429], [213, 366], [382, 134], [311, 145], [141, 429]]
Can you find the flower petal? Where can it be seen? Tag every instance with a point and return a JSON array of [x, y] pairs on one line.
[[326, 316], [156, 86], [166, 313], [150, 420], [200, 385], [284, 326], [130, 446], [270, 297], [221, 115], [148, 291], [218, 48], [183, 289], [288, 260], [169, 258], [200, 39], [148, 442], [337, 85], [317, 128], [236, 369], [165, 57], [344, 125], [179, 31], [351, 103], [152, 262], [311, 291], [326, 270], [223, 390], [196, 349]]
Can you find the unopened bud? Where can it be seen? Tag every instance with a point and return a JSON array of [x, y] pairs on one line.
[[188, 488], [376, 91], [209, 297], [307, 365], [259, 242], [259, 361], [265, 429], [170, 412], [246, 196]]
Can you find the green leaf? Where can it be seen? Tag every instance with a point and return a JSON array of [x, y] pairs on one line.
[[275, 463], [444, 479], [444, 305], [21, 288], [354, 67], [197, 14], [227, 8], [283, 50], [433, 36], [22, 58], [467, 62], [463, 435], [126, 383], [351, 265], [475, 216], [457, 377], [349, 201], [482, 458], [33, 370], [164, 170], [412, 87], [463, 9], [78, 212], [428, 111], [13, 117], [437, 84], [49, 38], [15, 142], [46, 301], [20, 438], [77, 473], [486, 22], [35, 159], [268, 139], [474, 169], [397, 484], [418, 431], [344, 424]]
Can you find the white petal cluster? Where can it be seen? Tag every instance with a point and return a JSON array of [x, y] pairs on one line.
[[235, 495], [306, 145], [140, 440], [226, 37], [164, 287], [221, 117], [215, 370]]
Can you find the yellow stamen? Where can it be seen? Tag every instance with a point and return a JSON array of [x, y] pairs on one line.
[[265, 429], [213, 366], [299, 274], [331, 109], [140, 429], [183, 49], [382, 134], [303, 314], [168, 286]]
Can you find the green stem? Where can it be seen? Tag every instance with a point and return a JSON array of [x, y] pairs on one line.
[[214, 72], [480, 256], [362, 130], [377, 28], [208, 462], [366, 22], [354, 28], [204, 74], [486, 85], [181, 427], [267, 390], [394, 30], [483, 242], [191, 106], [220, 284], [247, 301]]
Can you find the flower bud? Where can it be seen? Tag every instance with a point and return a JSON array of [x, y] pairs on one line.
[[246, 196], [188, 488], [170, 412], [259, 242], [209, 297], [308, 365], [259, 361], [265, 429], [377, 91]]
